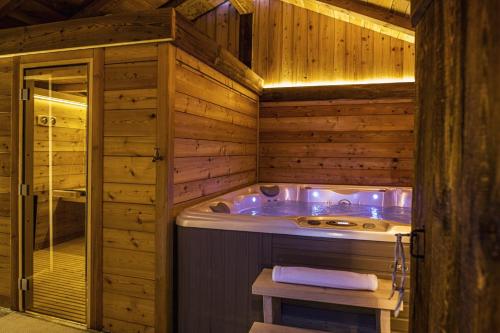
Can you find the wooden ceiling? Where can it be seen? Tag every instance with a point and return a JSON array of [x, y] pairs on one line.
[[387, 16], [15, 13]]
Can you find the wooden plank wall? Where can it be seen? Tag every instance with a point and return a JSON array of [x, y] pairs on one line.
[[130, 111], [215, 132], [6, 72], [222, 25], [337, 141], [292, 45]]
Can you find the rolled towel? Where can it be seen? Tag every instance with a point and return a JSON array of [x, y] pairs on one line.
[[325, 278]]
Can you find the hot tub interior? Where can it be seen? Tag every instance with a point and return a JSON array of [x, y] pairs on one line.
[[353, 204]]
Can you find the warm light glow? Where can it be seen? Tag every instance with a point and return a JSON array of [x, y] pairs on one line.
[[60, 100], [336, 82]]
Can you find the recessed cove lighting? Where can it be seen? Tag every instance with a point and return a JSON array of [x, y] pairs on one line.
[[287, 84]]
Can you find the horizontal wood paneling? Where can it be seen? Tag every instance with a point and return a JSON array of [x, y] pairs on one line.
[[215, 132], [366, 141], [127, 308], [129, 217]]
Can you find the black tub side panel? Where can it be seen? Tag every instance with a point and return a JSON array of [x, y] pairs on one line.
[[216, 269]]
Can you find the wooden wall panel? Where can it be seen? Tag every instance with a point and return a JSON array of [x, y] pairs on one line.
[[293, 46], [215, 132], [345, 141], [130, 111], [6, 72]]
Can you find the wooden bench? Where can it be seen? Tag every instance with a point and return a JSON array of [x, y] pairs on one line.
[[270, 328], [378, 300]]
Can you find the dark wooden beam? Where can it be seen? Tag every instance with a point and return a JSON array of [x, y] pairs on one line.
[[192, 9], [243, 6], [7, 6], [368, 11], [104, 7], [418, 8], [43, 12], [127, 28], [377, 17], [355, 91]]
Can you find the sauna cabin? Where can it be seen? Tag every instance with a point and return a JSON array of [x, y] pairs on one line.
[[239, 166]]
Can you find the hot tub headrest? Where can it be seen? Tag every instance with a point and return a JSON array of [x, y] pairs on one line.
[[220, 208], [270, 191]]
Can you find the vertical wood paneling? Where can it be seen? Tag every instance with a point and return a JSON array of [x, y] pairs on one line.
[[275, 39], [358, 53], [287, 34], [223, 25], [292, 45], [327, 44]]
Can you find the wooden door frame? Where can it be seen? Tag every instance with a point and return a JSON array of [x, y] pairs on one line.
[[94, 58]]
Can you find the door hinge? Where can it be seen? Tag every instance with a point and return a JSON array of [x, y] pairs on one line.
[[24, 284], [25, 94], [24, 190], [417, 242]]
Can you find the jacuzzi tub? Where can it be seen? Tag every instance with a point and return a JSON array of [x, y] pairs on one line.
[[327, 211]]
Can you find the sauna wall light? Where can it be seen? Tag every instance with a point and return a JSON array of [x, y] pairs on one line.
[[287, 84], [60, 100]]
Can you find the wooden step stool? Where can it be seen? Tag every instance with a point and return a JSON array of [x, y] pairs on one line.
[[378, 300]]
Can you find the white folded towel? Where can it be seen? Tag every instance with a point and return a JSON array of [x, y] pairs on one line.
[[325, 278]]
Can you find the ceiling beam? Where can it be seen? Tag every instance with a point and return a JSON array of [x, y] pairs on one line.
[[363, 14], [243, 6], [104, 7], [192, 9], [6, 6]]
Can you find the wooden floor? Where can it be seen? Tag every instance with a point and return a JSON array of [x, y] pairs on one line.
[[60, 291]]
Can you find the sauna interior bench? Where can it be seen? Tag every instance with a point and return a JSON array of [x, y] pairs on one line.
[[270, 328], [378, 300]]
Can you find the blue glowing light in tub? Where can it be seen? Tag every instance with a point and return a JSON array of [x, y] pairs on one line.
[[315, 194], [374, 213], [375, 196], [254, 199]]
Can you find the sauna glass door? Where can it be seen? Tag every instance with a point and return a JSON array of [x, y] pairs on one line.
[[55, 192]]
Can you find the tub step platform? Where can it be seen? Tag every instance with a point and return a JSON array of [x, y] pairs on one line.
[[270, 328], [377, 300]]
